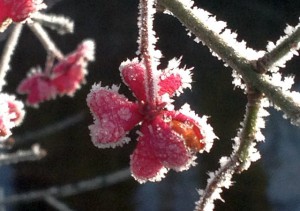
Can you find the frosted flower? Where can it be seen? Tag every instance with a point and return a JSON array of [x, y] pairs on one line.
[[64, 78], [11, 114], [168, 139], [18, 10], [69, 73]]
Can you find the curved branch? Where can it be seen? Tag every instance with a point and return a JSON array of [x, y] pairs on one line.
[[189, 19]]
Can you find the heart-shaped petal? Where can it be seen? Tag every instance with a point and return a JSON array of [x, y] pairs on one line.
[[145, 166], [133, 75], [114, 116], [169, 146]]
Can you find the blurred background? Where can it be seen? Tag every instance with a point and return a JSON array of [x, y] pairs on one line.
[[270, 184]]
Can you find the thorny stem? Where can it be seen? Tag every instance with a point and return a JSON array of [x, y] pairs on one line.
[[45, 40], [8, 52], [236, 62], [147, 47], [61, 24]]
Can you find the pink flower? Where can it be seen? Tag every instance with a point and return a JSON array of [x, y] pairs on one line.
[[168, 139], [63, 78], [11, 114], [18, 10]]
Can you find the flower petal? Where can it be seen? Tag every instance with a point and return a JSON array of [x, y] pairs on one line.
[[174, 79], [38, 87], [69, 73], [145, 166], [132, 73], [206, 131], [169, 147], [114, 116]]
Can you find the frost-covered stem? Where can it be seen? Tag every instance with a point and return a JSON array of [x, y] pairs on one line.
[[240, 157], [59, 23], [245, 68], [147, 46], [45, 39], [8, 52], [35, 153], [247, 134], [290, 43], [70, 189]]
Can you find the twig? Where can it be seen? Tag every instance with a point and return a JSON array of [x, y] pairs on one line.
[[240, 159], [70, 189], [285, 47], [228, 54], [35, 153], [45, 39], [8, 52], [49, 129], [61, 24]]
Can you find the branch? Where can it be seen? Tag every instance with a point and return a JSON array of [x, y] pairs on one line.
[[49, 129], [69, 189], [286, 46], [58, 205], [228, 54], [8, 52], [244, 153], [44, 38], [35, 153]]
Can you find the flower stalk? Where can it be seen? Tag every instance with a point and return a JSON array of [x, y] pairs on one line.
[[147, 42]]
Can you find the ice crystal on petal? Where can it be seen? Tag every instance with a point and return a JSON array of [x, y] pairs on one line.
[[114, 116], [174, 79], [145, 166], [132, 73], [168, 147]]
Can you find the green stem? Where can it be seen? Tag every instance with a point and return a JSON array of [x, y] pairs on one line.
[[291, 42], [228, 54]]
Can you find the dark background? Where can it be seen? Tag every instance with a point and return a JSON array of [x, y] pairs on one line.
[[112, 24]]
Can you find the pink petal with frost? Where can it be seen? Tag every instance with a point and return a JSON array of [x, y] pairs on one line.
[[174, 79], [114, 116], [38, 87], [169, 147], [21, 9], [143, 162], [70, 80], [169, 84], [132, 74]]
